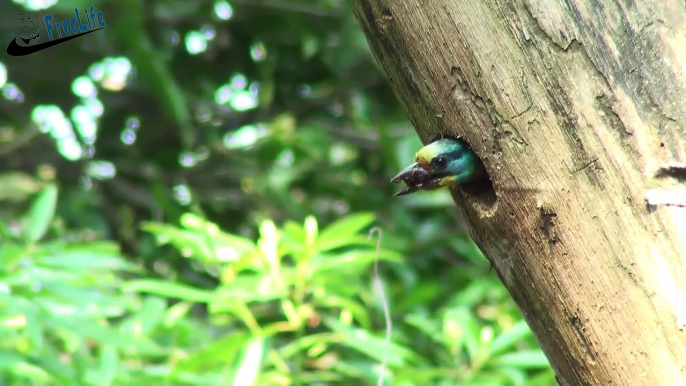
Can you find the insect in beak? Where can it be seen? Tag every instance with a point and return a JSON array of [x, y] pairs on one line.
[[416, 177]]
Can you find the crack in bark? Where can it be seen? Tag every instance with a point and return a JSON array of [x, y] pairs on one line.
[[614, 119], [531, 106], [652, 23], [545, 33], [578, 327], [586, 166]]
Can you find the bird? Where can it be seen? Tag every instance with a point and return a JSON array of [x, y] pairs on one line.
[[445, 162]]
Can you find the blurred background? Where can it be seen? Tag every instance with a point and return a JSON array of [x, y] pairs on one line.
[[186, 198]]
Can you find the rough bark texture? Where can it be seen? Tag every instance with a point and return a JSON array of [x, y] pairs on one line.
[[578, 109]]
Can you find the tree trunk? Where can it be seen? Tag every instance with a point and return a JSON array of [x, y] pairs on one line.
[[578, 110]]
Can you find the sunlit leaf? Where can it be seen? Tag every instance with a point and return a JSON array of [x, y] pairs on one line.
[[41, 213], [33, 372], [169, 289], [268, 244], [22, 186], [216, 353], [311, 230], [357, 310], [352, 261], [426, 325], [202, 245], [176, 312], [463, 245], [9, 359], [85, 260], [372, 346], [339, 233], [460, 328], [250, 363], [516, 377], [530, 359], [249, 289], [151, 314], [507, 340], [109, 363], [293, 238]]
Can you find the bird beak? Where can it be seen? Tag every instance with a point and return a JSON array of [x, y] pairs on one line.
[[411, 173], [415, 177]]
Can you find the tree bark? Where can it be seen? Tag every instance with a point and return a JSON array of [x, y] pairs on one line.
[[578, 110]]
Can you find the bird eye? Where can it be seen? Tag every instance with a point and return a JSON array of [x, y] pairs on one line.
[[441, 162]]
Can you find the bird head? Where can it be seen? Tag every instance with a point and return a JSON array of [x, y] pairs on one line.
[[442, 163]]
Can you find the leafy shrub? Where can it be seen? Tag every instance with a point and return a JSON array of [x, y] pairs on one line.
[[293, 307]]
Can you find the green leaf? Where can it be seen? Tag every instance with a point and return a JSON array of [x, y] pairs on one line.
[[475, 293], [201, 226], [176, 313], [33, 372], [190, 243], [34, 327], [530, 359], [22, 186], [41, 213], [151, 315], [516, 377], [248, 366], [292, 239], [9, 359], [339, 233], [109, 362], [311, 230], [91, 329], [86, 259], [426, 325], [201, 244], [295, 347], [545, 378], [11, 255], [4, 231], [372, 346], [348, 303], [249, 289], [49, 360], [170, 290], [509, 338], [216, 353], [463, 245], [461, 329], [352, 261]]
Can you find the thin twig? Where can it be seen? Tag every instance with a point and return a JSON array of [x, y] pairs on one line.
[[21, 140], [384, 301]]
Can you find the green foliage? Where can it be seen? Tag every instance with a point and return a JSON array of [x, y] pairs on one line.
[[292, 307], [187, 199], [57, 298]]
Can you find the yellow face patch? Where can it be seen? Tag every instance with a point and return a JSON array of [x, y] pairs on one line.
[[420, 159], [425, 155], [448, 181]]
